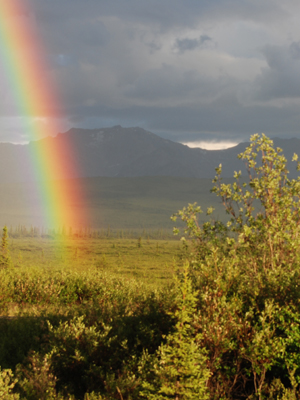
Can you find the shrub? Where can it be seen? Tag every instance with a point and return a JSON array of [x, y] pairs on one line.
[[5, 259], [179, 369], [7, 384], [247, 276], [37, 382]]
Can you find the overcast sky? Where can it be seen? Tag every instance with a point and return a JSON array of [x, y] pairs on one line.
[[188, 70]]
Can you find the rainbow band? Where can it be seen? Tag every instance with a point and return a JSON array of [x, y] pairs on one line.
[[34, 96]]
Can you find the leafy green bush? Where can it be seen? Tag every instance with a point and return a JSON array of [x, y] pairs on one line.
[[247, 275], [7, 384], [95, 344], [179, 368], [37, 381]]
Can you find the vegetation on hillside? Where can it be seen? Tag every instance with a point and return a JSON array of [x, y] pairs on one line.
[[128, 204], [226, 328]]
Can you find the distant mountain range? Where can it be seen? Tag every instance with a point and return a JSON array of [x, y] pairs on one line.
[[128, 152]]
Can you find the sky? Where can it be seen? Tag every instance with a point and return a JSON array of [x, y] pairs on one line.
[[192, 71]]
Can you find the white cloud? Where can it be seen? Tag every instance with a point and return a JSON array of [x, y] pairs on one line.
[[211, 145]]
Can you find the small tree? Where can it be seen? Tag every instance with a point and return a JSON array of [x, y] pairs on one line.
[[5, 257], [247, 275], [264, 212], [179, 368]]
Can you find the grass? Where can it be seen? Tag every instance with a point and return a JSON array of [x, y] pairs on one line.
[[153, 262], [121, 203], [54, 280]]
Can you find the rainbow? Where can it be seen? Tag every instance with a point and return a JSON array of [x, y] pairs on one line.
[[32, 95]]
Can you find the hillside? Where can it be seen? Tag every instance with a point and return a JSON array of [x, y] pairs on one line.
[[125, 152], [121, 203]]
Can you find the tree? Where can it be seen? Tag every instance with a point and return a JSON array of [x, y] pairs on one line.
[[179, 370], [247, 274], [264, 212], [5, 257]]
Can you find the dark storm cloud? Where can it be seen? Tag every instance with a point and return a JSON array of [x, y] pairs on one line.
[[166, 14], [169, 82], [165, 82], [281, 78], [187, 44], [185, 68], [223, 119]]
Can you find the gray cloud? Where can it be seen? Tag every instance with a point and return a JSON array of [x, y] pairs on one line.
[[295, 50], [187, 44], [156, 64], [167, 14], [281, 78], [224, 118], [177, 86], [166, 82]]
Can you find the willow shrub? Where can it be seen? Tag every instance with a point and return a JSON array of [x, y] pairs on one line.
[[247, 276]]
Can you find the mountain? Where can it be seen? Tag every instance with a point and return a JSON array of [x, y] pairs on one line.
[[126, 152]]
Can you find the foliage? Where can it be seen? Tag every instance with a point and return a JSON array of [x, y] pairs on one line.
[[7, 384], [270, 233], [37, 380], [228, 327], [179, 369], [5, 259], [247, 275]]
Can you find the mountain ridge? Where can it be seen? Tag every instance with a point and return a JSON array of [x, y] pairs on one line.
[[128, 152]]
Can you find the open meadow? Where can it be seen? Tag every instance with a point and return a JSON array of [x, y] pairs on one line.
[[151, 261]]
